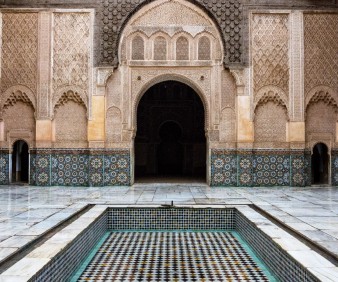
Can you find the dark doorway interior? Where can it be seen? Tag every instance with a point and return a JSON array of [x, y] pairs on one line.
[[170, 139], [20, 162], [320, 164]]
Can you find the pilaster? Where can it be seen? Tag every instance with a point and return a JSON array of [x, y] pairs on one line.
[[296, 86]]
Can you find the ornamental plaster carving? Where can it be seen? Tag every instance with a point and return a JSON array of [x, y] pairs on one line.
[[270, 123], [69, 96], [71, 51], [271, 93], [225, 16], [19, 50], [170, 19], [239, 76], [320, 121], [178, 13], [18, 93], [270, 51], [113, 125], [102, 75], [320, 50], [324, 94], [23, 127]]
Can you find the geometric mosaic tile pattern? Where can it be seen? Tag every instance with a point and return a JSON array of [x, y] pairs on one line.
[[285, 267], [171, 219], [70, 169], [271, 169], [224, 168], [80, 167], [334, 167], [4, 167], [61, 267], [172, 256], [259, 167]]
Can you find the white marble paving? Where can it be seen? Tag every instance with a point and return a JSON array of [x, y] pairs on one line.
[[27, 211]]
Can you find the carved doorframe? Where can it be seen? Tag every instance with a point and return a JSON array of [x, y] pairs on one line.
[[144, 79]]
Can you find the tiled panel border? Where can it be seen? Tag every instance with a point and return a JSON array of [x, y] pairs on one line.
[[171, 219], [4, 166], [260, 167], [80, 167], [283, 266]]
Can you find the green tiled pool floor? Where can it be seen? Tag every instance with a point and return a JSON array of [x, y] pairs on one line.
[[172, 256]]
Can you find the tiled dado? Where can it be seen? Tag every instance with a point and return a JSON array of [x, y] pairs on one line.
[[4, 166], [334, 167], [260, 167], [79, 167]]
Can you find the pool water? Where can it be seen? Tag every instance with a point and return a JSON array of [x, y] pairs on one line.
[[172, 256]]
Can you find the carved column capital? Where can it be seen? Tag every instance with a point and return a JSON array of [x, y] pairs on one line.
[[102, 75]]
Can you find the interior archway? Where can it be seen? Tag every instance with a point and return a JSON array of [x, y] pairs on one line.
[[170, 139], [320, 164], [20, 162]]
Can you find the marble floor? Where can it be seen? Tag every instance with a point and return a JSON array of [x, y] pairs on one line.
[[27, 212]]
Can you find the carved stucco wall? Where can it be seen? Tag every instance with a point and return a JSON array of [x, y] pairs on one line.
[[321, 123], [320, 51], [115, 15], [320, 76], [71, 54], [270, 67], [19, 55], [228, 110], [70, 121], [19, 50], [155, 34], [22, 127], [270, 60], [162, 25], [270, 125]]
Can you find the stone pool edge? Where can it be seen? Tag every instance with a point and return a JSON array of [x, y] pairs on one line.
[[42, 257]]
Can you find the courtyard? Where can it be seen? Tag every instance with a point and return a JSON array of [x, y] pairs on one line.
[[26, 212]]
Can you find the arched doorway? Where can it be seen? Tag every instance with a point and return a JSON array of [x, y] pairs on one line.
[[20, 162], [170, 139], [320, 164]]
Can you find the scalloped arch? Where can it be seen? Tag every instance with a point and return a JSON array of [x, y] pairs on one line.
[[17, 93], [322, 93], [271, 94], [67, 90]]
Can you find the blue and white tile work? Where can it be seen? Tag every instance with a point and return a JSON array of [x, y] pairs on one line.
[[260, 168], [80, 167], [223, 168], [4, 166], [334, 167], [70, 168]]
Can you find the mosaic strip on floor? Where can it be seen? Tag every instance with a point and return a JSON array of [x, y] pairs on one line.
[[172, 256], [260, 168], [80, 167]]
